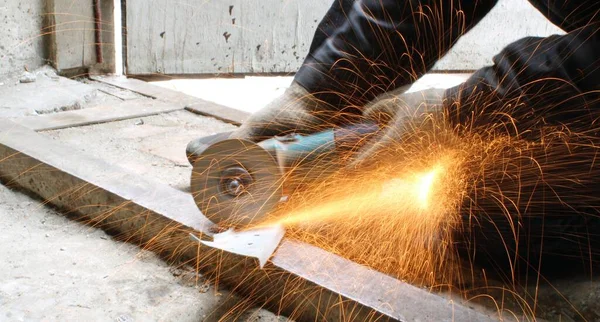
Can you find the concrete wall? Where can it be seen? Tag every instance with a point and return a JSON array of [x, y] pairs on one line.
[[21, 40], [258, 36], [30, 38], [72, 34]]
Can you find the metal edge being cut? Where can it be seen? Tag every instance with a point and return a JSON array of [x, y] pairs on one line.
[[260, 194], [301, 281], [259, 243]]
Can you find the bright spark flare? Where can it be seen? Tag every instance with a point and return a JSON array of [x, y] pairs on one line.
[[411, 193]]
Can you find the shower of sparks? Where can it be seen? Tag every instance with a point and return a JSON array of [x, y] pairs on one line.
[[411, 194], [508, 183], [396, 217]]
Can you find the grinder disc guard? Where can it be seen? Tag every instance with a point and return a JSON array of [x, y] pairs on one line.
[[236, 182]]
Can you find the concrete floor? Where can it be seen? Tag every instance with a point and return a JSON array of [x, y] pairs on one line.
[[56, 269], [50, 94], [152, 146]]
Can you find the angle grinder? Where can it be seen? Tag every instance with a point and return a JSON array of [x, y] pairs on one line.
[[237, 182]]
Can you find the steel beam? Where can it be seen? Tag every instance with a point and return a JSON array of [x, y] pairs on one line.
[[301, 281]]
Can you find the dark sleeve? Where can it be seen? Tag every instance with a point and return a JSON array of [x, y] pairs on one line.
[[533, 81], [382, 45], [569, 15], [335, 17]]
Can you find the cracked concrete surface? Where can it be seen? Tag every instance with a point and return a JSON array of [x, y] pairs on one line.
[[55, 269], [153, 146], [50, 93]]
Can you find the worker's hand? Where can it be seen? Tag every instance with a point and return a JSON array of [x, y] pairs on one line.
[[295, 111], [397, 113]]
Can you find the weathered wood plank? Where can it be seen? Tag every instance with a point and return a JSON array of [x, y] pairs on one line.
[[203, 37], [123, 111], [302, 281], [71, 31], [194, 104]]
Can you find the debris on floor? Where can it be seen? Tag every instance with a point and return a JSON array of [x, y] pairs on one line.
[[55, 269], [152, 146], [42, 91], [69, 269]]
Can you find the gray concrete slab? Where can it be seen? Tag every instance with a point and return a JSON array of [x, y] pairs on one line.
[[122, 111], [55, 269], [71, 32], [49, 94], [274, 36], [152, 146]]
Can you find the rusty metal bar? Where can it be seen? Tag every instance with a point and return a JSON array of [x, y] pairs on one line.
[[98, 31], [301, 281]]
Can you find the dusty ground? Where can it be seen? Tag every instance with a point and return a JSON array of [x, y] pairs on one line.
[[55, 269], [152, 146], [50, 94]]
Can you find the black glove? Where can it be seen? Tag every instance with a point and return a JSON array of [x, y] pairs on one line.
[[397, 113], [296, 111]]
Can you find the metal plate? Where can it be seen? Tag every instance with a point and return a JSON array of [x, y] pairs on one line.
[[259, 243], [259, 198]]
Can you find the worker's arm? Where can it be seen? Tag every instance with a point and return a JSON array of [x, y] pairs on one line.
[[533, 81], [361, 49], [383, 45]]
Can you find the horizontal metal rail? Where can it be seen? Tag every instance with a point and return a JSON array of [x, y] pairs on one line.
[[301, 281]]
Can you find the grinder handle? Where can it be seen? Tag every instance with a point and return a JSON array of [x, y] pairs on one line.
[[337, 139], [295, 149], [354, 136]]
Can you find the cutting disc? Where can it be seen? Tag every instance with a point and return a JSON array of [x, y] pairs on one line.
[[236, 182]]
